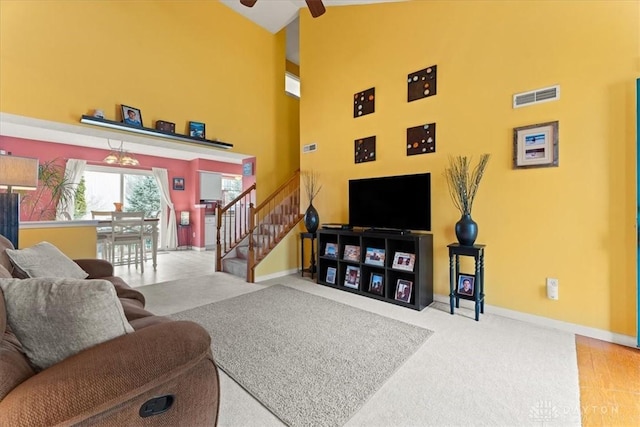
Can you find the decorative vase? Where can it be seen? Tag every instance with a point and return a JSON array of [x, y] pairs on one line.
[[466, 230], [118, 206], [311, 219]]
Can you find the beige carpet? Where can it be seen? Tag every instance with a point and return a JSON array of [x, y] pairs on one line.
[[310, 360]]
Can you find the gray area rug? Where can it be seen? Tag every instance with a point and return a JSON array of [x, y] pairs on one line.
[[309, 360]]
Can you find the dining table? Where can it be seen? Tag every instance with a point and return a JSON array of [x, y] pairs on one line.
[[151, 228]]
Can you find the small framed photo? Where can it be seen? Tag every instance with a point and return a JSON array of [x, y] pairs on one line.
[[374, 256], [376, 284], [403, 290], [178, 184], [352, 253], [131, 116], [535, 146], [331, 250], [466, 285], [331, 275], [196, 130], [352, 277], [404, 261]]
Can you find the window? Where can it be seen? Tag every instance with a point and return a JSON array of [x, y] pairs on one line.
[[292, 84], [104, 186], [101, 187], [231, 188]]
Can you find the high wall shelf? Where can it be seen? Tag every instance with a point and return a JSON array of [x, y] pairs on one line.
[[95, 121], [421, 276]]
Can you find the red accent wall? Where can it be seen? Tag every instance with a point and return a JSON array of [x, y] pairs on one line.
[[182, 200]]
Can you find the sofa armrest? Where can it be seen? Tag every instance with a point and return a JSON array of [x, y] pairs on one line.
[[96, 268], [110, 375]]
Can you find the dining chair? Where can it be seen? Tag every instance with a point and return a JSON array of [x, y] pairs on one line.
[[127, 229], [103, 235]]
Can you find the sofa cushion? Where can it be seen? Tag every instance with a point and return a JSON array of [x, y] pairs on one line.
[[45, 260], [54, 318], [4, 273]]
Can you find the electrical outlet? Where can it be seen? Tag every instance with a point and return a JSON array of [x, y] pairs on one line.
[[552, 288]]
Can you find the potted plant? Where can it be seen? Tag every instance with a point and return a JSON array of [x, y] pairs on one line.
[[54, 193], [463, 185], [312, 188]]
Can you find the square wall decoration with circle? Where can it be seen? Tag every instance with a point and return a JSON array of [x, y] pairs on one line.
[[421, 139], [421, 84], [364, 102], [365, 149]]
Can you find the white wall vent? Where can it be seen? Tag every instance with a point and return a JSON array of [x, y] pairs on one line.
[[310, 148], [536, 96]]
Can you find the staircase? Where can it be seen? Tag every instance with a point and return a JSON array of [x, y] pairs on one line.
[[247, 238]]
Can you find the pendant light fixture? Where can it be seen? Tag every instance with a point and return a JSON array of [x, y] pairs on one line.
[[118, 156]]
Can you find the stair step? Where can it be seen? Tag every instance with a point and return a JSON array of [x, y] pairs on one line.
[[235, 266], [242, 252]]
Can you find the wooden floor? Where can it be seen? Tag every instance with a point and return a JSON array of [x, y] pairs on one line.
[[609, 383]]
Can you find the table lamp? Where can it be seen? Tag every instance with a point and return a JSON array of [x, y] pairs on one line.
[[184, 218], [16, 173]]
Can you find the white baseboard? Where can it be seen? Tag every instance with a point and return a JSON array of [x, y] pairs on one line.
[[573, 328], [276, 275], [199, 249]]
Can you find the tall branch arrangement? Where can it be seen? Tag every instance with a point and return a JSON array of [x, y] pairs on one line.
[[463, 182], [310, 180]]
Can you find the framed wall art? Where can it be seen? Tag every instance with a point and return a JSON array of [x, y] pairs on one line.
[[178, 184], [535, 146]]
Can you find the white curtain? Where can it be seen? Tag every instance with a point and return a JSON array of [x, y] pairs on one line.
[[168, 240], [72, 174]]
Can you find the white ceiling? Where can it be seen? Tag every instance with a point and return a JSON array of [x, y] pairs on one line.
[[274, 15]]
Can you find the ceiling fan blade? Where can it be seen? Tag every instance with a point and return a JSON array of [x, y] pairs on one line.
[[316, 7], [248, 3]]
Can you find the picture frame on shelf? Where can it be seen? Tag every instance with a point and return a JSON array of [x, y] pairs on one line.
[[374, 256], [466, 285], [404, 289], [376, 284], [131, 116], [404, 261], [197, 130], [331, 250], [535, 146], [331, 275], [178, 184], [352, 253], [352, 277]]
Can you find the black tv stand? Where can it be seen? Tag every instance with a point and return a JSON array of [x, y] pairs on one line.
[[388, 231], [343, 252]]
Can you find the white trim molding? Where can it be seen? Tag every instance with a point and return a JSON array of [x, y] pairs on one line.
[[573, 328]]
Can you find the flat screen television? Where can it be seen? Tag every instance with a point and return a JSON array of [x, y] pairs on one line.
[[398, 202]]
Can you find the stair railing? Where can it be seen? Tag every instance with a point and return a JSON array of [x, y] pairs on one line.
[[271, 220], [234, 224]]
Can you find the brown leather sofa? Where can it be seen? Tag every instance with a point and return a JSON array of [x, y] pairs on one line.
[[120, 382]]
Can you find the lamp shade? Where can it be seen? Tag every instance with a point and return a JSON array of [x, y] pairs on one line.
[[20, 173]]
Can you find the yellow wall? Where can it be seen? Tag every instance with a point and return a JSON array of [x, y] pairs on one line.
[[74, 242], [574, 222], [174, 60]]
